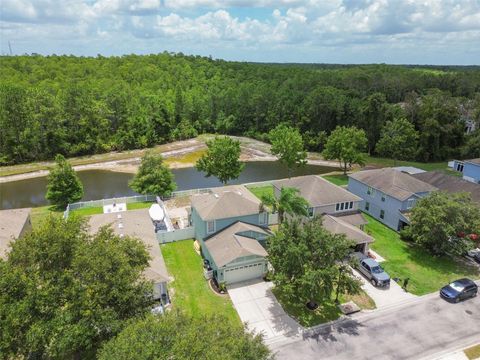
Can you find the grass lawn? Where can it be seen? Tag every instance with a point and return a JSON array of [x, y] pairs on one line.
[[383, 162], [259, 191], [339, 180], [327, 312], [427, 273], [473, 352], [39, 214], [189, 290], [87, 211], [139, 205]]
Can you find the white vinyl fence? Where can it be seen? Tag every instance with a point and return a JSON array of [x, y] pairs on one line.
[[176, 235]]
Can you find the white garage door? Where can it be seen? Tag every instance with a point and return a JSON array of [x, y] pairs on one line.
[[242, 273]]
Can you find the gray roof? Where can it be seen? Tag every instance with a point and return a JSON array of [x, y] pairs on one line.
[[227, 245], [474, 161], [451, 184], [338, 226], [392, 182], [353, 218], [135, 223], [226, 202], [317, 191], [12, 224]]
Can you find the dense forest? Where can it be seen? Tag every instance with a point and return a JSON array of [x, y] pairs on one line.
[[79, 105]]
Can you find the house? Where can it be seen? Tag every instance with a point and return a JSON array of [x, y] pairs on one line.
[[231, 227], [137, 223], [451, 184], [236, 254], [388, 194], [325, 198], [14, 223], [469, 168]]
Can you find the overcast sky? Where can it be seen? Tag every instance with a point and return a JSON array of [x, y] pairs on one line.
[[321, 31]]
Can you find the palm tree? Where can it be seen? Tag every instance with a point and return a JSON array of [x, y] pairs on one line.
[[289, 202]]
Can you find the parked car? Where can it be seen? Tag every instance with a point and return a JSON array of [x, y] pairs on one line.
[[459, 290], [374, 272], [474, 254]]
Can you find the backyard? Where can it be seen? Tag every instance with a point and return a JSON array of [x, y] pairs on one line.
[[190, 291], [405, 260]]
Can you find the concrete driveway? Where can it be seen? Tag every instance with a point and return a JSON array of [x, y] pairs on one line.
[[258, 307], [384, 297], [424, 328]]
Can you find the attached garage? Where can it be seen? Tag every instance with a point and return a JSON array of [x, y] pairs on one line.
[[243, 273], [235, 253]]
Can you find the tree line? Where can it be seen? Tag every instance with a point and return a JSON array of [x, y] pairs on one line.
[[81, 105]]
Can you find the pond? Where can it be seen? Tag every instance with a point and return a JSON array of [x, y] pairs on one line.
[[100, 184]]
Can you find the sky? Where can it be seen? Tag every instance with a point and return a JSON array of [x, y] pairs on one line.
[[308, 31]]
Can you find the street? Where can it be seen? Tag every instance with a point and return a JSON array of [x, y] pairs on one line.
[[416, 330]]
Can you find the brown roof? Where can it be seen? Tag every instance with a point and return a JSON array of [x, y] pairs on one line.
[[317, 191], [338, 226], [228, 245], [393, 182], [355, 218], [135, 223], [12, 223], [226, 202], [451, 184]]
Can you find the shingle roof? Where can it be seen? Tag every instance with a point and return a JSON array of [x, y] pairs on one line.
[[12, 223], [226, 202], [393, 182], [474, 161], [337, 226], [451, 184], [135, 223], [228, 245], [317, 191], [354, 218]]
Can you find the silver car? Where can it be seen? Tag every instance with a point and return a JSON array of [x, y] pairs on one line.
[[374, 272]]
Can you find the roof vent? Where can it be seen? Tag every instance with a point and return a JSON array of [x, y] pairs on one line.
[[216, 195]]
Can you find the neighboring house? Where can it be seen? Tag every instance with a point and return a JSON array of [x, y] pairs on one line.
[[14, 224], [469, 168], [327, 198], [451, 184], [388, 194], [236, 253], [231, 227], [137, 223]]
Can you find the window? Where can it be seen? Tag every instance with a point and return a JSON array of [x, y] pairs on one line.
[[351, 204], [310, 212], [210, 226], [262, 218], [341, 206], [383, 197], [337, 207], [367, 206], [410, 203], [382, 214]]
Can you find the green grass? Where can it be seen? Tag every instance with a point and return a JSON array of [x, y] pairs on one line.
[[339, 180], [190, 291], [139, 205], [473, 352], [39, 214], [427, 273], [87, 211], [384, 162], [328, 311], [259, 191]]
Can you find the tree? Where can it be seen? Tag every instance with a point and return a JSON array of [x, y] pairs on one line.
[[471, 149], [347, 145], [63, 184], [287, 145], [153, 177], [442, 223], [64, 292], [289, 202], [222, 159], [399, 140], [177, 336], [374, 112], [310, 262]]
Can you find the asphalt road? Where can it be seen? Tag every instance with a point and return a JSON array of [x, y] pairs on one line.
[[416, 330]]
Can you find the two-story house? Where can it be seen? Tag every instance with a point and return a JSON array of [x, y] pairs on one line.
[[469, 168], [388, 194], [231, 227], [339, 207]]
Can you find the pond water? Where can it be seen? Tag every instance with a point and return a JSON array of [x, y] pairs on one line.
[[100, 184]]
